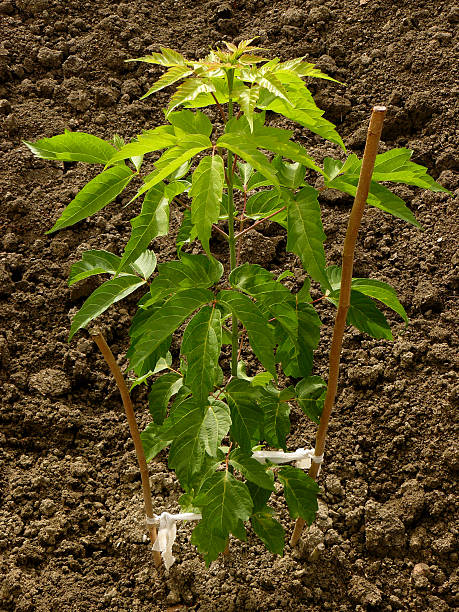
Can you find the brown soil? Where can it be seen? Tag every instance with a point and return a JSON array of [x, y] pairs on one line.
[[71, 531]]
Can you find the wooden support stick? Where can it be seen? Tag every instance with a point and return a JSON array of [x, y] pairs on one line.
[[129, 410], [363, 187]]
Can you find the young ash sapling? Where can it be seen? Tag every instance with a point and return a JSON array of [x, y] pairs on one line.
[[227, 178]]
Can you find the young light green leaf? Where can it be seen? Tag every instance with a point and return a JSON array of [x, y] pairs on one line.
[[99, 192], [165, 321], [189, 146], [186, 232], [174, 74], [310, 395], [247, 100], [102, 298], [145, 264], [189, 91], [251, 469], [305, 233], [161, 391], [73, 146], [300, 492], [270, 531], [201, 345], [263, 203], [206, 193], [289, 175], [256, 324], [246, 414], [152, 222], [167, 57]]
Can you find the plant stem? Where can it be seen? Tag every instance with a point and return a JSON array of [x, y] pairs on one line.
[[355, 218], [231, 238], [129, 410]]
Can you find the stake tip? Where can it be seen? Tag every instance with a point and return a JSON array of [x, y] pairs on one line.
[[379, 109]]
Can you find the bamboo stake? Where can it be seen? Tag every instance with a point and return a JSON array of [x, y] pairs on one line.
[[129, 410], [363, 187]]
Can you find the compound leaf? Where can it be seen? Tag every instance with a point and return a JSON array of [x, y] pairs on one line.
[[249, 152], [161, 391], [246, 414], [270, 531], [160, 137], [310, 395], [251, 469], [152, 442], [174, 74]]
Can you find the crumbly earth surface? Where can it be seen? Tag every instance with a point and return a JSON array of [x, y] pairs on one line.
[[71, 530]]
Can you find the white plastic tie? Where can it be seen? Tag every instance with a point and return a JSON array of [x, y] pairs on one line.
[[302, 457], [167, 532]]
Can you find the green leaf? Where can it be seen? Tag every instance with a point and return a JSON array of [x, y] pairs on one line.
[[311, 395], [289, 175], [206, 192], [160, 137], [365, 316], [145, 264], [300, 492], [224, 501], [259, 495], [202, 341], [191, 122], [167, 57], [161, 391], [270, 82], [246, 414], [246, 171], [270, 531], [256, 324], [152, 442], [216, 425], [245, 150], [276, 417], [247, 100], [303, 110], [93, 262], [380, 291], [174, 74], [152, 222], [263, 203], [251, 469], [186, 233], [210, 543], [189, 146], [165, 321], [305, 233], [102, 298], [73, 146], [280, 146], [99, 192], [189, 91]]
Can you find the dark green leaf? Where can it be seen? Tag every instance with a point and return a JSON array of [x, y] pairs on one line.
[[305, 233], [251, 469], [300, 492], [99, 192], [73, 146], [201, 344], [210, 543], [250, 154], [259, 495], [256, 324], [161, 391], [102, 298], [276, 417]]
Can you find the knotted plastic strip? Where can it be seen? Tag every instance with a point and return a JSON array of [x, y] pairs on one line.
[[302, 457], [167, 532]]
